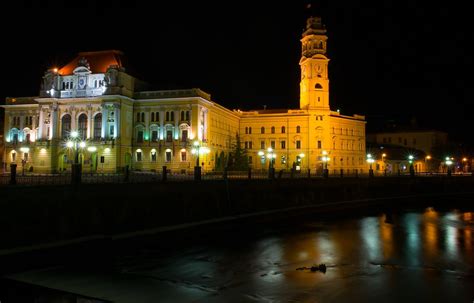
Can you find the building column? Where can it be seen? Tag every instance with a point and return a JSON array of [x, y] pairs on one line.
[[54, 122], [117, 121], [105, 117], [41, 123], [162, 119], [89, 121], [176, 124], [22, 125]]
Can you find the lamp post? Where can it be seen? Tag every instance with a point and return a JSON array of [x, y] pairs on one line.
[[448, 164], [370, 160], [383, 163], [412, 169], [427, 158], [271, 169], [197, 150], [325, 160], [75, 143]]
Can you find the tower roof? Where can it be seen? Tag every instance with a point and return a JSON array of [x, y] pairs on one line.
[[98, 61], [314, 26]]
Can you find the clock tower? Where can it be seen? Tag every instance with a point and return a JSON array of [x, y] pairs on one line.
[[314, 85]]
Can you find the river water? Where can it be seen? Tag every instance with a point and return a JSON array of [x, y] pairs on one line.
[[407, 256]]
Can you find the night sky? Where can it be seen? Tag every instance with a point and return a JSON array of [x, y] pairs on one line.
[[388, 58]]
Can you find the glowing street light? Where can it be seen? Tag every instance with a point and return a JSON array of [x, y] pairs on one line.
[[198, 150], [370, 160], [448, 162], [75, 143]]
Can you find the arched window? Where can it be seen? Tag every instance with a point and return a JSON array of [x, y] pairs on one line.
[[172, 116], [320, 44], [283, 129], [182, 115], [298, 129], [65, 125], [273, 129], [250, 130], [167, 116], [143, 117], [82, 126], [318, 86], [95, 83], [138, 117], [153, 117], [98, 126], [246, 130], [187, 115], [262, 130]]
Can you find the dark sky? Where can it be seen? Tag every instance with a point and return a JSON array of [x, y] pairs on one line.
[[388, 58]]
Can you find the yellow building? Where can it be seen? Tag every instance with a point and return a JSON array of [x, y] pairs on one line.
[[123, 124]]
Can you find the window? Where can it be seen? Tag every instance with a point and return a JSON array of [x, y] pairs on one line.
[[182, 116], [102, 159], [168, 156], [138, 117], [298, 129], [389, 139], [283, 144], [262, 130], [112, 131], [169, 136], [27, 138], [272, 144], [25, 156], [246, 130], [98, 126], [384, 140], [154, 136], [250, 144], [65, 125], [167, 116], [318, 86], [246, 144], [319, 144], [250, 159], [82, 126], [187, 115], [143, 117], [250, 130], [283, 129], [153, 117], [13, 157], [139, 156], [184, 135], [15, 138], [153, 155], [262, 144], [140, 136], [273, 129], [183, 155], [298, 144], [172, 116]]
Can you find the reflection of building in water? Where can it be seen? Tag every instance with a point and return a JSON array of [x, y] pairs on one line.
[[431, 232]]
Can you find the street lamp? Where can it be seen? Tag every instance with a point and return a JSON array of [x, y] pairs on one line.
[[370, 160], [383, 163], [448, 162], [75, 143], [464, 164], [325, 160], [412, 169], [428, 157], [197, 150]]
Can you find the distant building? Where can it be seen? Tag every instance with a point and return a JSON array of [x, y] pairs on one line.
[[424, 140], [125, 124]]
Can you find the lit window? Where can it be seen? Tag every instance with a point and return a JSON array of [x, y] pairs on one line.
[[140, 136], [139, 156], [272, 144], [298, 129], [262, 144], [273, 129], [262, 130], [153, 155], [283, 144], [250, 130], [168, 156], [319, 144], [283, 129], [183, 155], [154, 136], [184, 135], [298, 144]]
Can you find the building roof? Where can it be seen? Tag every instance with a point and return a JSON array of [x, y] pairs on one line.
[[99, 61]]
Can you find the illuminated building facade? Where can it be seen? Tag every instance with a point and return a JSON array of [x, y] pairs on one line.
[[124, 124]]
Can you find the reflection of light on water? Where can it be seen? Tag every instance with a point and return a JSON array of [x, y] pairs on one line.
[[369, 230], [467, 216], [386, 232], [413, 238], [430, 230], [468, 239], [451, 241], [325, 247]]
